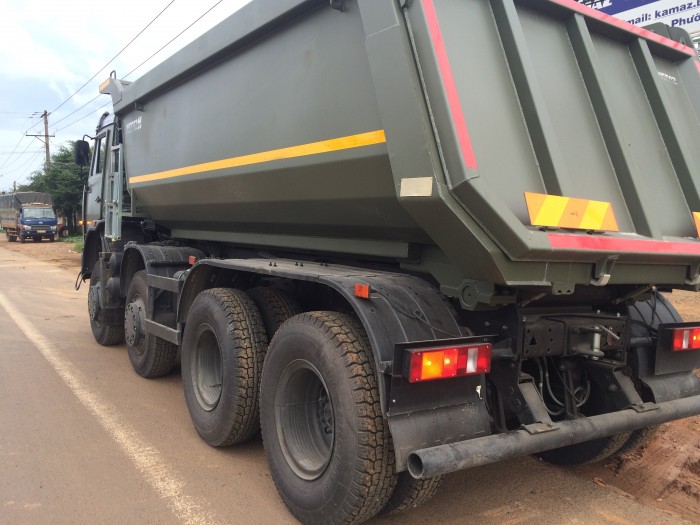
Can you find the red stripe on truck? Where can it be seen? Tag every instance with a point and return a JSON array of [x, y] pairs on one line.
[[616, 244], [608, 19], [450, 86]]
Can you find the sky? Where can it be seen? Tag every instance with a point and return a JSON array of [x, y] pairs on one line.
[[50, 49]]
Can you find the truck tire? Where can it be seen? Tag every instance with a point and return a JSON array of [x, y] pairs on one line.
[[150, 356], [589, 451], [326, 442], [646, 317], [275, 307], [105, 335], [586, 452], [22, 239], [222, 358], [52, 238], [410, 493]]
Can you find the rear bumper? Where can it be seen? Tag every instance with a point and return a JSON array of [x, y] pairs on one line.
[[429, 462]]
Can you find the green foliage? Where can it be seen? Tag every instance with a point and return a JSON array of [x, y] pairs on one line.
[[62, 180], [77, 241]]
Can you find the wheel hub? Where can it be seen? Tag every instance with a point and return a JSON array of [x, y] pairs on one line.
[[94, 303], [305, 420], [133, 329], [207, 374]]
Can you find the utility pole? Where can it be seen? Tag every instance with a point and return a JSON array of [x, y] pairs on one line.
[[45, 139]]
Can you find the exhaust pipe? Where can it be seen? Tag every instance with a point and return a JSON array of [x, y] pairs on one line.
[[442, 459]]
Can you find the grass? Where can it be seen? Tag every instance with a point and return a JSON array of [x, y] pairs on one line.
[[76, 240]]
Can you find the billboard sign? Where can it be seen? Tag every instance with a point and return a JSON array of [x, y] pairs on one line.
[[676, 13]]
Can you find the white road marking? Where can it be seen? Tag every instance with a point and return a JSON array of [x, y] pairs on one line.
[[148, 460]]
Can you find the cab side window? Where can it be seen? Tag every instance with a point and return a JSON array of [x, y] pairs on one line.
[[101, 158]]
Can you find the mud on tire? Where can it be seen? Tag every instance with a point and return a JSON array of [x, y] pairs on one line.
[[326, 442], [410, 493], [275, 307], [222, 358]]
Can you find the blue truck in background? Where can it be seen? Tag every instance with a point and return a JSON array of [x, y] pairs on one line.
[[28, 215]]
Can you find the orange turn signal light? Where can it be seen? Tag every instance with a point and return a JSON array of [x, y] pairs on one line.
[[443, 363], [362, 291]]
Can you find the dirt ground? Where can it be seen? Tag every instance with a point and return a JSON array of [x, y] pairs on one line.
[[664, 474]]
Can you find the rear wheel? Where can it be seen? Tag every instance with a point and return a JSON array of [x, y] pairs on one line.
[[587, 452], [105, 334], [591, 399], [326, 442], [411, 492], [222, 358], [646, 317], [150, 356], [275, 307]]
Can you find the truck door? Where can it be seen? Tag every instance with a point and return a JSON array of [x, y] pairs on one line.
[[94, 190]]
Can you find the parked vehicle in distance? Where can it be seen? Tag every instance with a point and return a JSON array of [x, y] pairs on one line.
[[28, 215]]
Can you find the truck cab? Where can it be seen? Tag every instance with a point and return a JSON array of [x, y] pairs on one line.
[[37, 221]]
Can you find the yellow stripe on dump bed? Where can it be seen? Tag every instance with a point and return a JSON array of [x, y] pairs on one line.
[[315, 148], [566, 212]]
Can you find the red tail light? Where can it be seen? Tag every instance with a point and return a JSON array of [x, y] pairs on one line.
[[686, 339], [443, 363]]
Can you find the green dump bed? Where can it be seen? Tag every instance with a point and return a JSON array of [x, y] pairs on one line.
[[413, 130]]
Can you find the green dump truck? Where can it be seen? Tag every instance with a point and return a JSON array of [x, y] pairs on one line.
[[405, 237]]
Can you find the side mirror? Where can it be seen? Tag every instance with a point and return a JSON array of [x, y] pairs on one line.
[[82, 152]]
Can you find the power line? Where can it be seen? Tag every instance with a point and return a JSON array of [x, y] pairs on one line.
[[16, 145], [7, 165], [23, 153], [92, 112], [23, 166], [115, 56], [174, 38], [76, 110], [130, 72]]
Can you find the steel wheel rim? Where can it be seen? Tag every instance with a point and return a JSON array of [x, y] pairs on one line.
[[305, 420], [138, 304], [207, 372]]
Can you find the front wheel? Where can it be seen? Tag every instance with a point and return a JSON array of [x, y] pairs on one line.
[[326, 442], [105, 334]]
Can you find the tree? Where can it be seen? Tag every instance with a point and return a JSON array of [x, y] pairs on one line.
[[62, 180]]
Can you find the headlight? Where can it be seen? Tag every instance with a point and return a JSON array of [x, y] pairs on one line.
[[25, 227]]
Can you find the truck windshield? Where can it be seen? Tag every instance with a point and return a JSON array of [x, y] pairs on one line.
[[39, 213]]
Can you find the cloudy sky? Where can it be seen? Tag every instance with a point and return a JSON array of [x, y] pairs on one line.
[[49, 49]]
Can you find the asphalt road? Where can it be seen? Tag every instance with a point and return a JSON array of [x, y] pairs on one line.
[[83, 439]]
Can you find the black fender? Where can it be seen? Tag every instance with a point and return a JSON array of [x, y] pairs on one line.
[[95, 244], [161, 260], [398, 309]]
